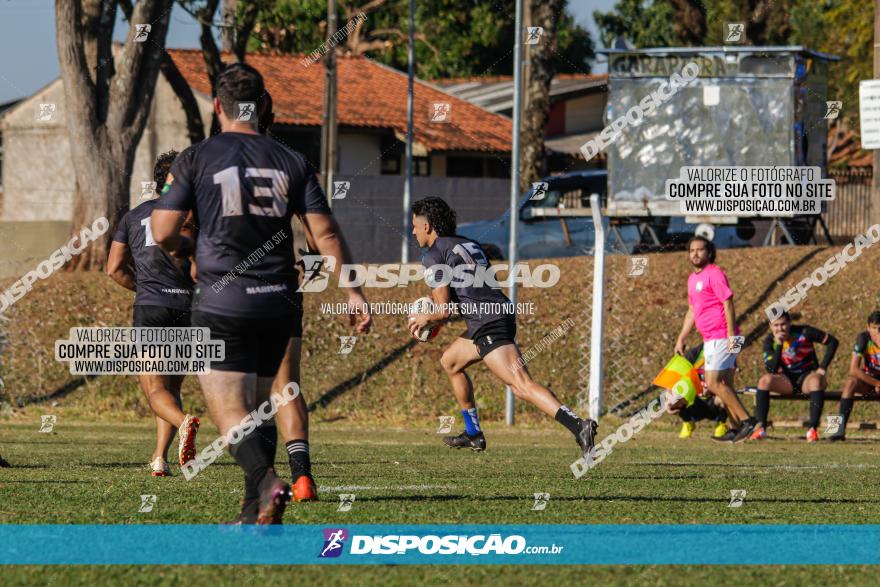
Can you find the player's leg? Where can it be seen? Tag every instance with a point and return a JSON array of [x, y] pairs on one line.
[[230, 392], [4, 463], [154, 385], [230, 397], [293, 424], [505, 361], [459, 356], [272, 338], [814, 384], [767, 383], [719, 417], [851, 387], [163, 394], [719, 371]]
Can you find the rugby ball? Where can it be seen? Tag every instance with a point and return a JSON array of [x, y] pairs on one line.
[[424, 305]]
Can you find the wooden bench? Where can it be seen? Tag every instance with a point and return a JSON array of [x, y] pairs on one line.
[[829, 395]]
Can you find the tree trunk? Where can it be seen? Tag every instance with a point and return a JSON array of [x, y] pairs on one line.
[[194, 127], [533, 161], [106, 104]]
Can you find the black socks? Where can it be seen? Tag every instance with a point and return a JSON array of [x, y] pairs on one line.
[[569, 419], [298, 455], [269, 434], [846, 406], [762, 407], [251, 456], [817, 401]]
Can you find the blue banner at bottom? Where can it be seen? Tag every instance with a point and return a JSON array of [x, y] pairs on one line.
[[440, 544]]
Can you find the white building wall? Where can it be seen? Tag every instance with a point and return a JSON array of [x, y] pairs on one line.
[[37, 184], [38, 176], [359, 154]]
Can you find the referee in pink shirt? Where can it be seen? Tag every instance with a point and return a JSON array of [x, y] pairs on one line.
[[710, 308]]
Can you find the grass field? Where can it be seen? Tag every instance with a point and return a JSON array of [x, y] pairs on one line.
[[87, 472]]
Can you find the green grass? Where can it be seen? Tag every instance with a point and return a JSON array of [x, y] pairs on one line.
[[87, 472]]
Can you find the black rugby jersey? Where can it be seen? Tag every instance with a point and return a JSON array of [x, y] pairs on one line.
[[243, 190]]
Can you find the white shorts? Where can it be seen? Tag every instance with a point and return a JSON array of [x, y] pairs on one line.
[[716, 355]]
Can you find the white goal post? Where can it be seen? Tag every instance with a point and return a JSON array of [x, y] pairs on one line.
[[597, 326]]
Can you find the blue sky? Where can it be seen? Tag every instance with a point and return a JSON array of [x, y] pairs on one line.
[[29, 60]]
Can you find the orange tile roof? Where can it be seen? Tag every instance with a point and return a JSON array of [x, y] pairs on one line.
[[494, 79], [369, 95], [847, 150]]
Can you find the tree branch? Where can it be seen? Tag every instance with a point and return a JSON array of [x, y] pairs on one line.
[[134, 83], [194, 127]]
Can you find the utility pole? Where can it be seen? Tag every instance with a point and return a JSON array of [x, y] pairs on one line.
[[509, 405], [408, 181], [875, 181], [328, 126]]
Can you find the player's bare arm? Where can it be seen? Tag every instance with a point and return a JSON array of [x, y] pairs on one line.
[[119, 266], [443, 302], [167, 226], [855, 370], [730, 320], [329, 241], [685, 331]]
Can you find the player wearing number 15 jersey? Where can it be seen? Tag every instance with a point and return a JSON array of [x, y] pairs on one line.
[[243, 189], [491, 326]]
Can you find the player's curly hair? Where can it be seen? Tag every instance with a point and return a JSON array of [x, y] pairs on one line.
[[162, 167], [440, 215], [239, 82], [710, 246]]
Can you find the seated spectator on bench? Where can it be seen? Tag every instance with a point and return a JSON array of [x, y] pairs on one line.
[[793, 368], [705, 407], [864, 372]]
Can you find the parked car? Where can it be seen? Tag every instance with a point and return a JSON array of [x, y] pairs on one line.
[[542, 233]]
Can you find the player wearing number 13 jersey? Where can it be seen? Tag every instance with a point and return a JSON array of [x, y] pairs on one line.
[[491, 326], [243, 188]]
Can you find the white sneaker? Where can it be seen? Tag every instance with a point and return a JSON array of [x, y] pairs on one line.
[[160, 468]]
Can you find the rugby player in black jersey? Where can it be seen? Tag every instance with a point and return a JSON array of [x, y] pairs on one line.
[[793, 368], [491, 328], [163, 294], [864, 372], [243, 189]]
